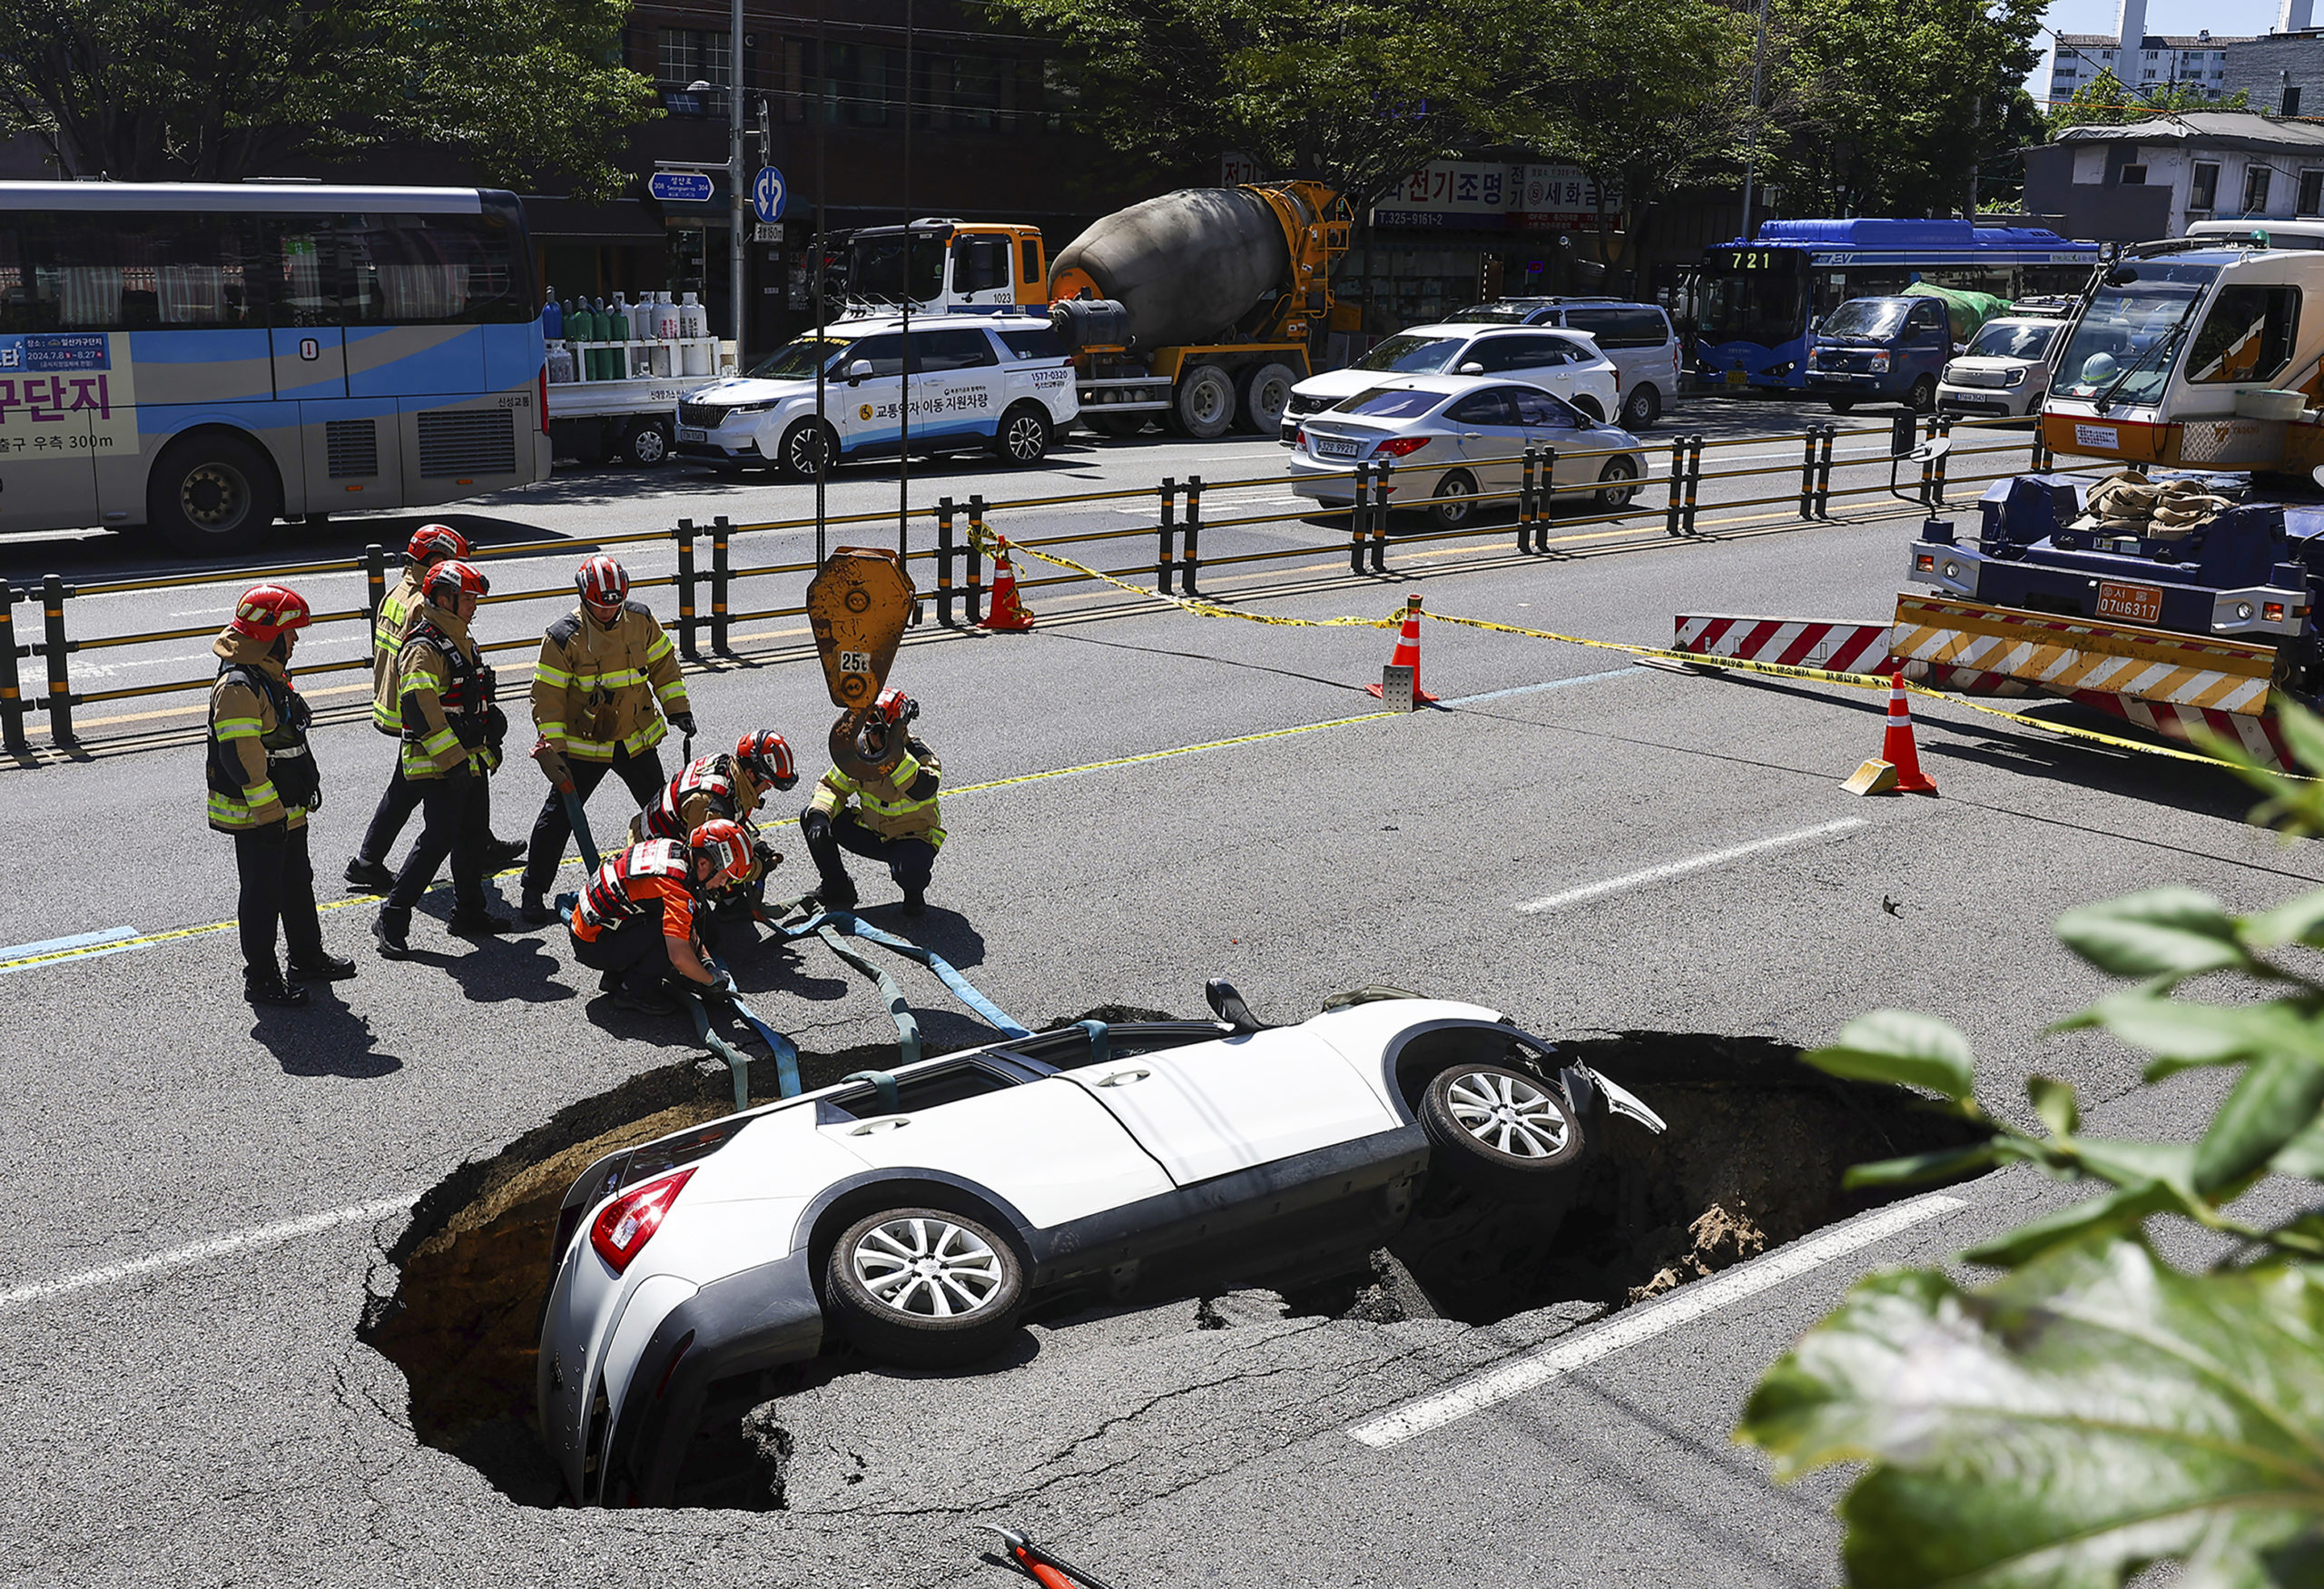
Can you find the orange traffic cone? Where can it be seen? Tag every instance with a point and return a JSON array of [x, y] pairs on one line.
[[1898, 769], [1008, 614], [1407, 653]]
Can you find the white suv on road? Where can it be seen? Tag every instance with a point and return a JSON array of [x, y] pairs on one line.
[[1636, 337], [1565, 362], [1002, 383], [2004, 369]]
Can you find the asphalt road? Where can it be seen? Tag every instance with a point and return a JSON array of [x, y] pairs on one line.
[[200, 1198]]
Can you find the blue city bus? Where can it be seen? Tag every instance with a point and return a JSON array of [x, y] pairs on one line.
[[1757, 300], [203, 359]]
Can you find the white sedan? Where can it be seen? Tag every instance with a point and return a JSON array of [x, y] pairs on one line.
[[1449, 440], [915, 1214]]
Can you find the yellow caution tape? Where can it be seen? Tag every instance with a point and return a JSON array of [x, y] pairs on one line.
[[984, 540]]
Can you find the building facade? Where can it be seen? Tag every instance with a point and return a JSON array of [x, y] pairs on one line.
[[2151, 180]]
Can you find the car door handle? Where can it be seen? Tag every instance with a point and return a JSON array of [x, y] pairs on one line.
[[894, 1122], [1124, 1078], [1472, 435]]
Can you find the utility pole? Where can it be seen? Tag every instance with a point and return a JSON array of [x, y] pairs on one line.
[[1751, 149], [823, 354], [903, 438], [734, 202]]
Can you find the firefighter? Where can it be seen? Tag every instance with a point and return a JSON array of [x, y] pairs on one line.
[[638, 920], [606, 682], [430, 544], [262, 784], [729, 785], [452, 742], [894, 816]]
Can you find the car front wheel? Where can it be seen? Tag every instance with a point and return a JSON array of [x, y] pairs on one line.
[[923, 1288], [1506, 1133], [1840, 405], [805, 444], [1922, 397], [1617, 484]]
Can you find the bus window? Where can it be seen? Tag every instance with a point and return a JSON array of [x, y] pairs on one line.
[[302, 270], [2247, 335], [431, 270]]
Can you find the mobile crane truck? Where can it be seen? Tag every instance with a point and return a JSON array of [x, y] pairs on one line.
[[2187, 599], [1199, 307]]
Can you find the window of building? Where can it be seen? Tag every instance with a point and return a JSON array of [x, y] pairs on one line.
[[2202, 193], [2255, 188], [2312, 192], [689, 56], [2291, 99], [2134, 176]]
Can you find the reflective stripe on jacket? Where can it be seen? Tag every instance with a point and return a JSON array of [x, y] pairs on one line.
[[901, 805], [244, 712], [655, 875], [387, 631], [706, 786], [599, 687], [444, 696]]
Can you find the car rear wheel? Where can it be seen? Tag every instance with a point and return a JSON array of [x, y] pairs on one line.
[[923, 1288], [805, 441], [1024, 434], [1261, 396], [1641, 407], [1453, 505], [1617, 484], [1504, 1132], [1204, 405], [1840, 405]]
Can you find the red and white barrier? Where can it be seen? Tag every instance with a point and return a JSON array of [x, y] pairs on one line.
[[1837, 645]]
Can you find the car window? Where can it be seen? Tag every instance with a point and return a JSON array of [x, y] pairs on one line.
[[885, 354], [962, 349], [1538, 410], [2003, 338], [1039, 342], [1621, 326], [1391, 402], [1071, 1050], [979, 263], [1412, 355], [929, 1089], [1496, 354], [1928, 315], [1488, 406]]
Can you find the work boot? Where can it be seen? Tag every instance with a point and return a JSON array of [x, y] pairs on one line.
[[915, 903], [646, 1001], [610, 982], [477, 922], [391, 930], [265, 986], [836, 893], [322, 968], [502, 853], [369, 876], [535, 911]]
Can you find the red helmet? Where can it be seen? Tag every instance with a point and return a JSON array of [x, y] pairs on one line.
[[727, 847], [602, 582], [266, 610], [895, 708], [451, 579], [432, 543], [767, 755]]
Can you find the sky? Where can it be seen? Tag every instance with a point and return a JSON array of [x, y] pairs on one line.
[[2232, 19]]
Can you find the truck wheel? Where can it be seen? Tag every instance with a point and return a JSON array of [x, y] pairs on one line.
[[1922, 397], [1024, 435], [1204, 405], [1261, 397], [802, 445], [1840, 405], [213, 494], [647, 444]]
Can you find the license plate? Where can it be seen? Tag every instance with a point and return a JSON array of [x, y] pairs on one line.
[[2130, 604], [1327, 449], [689, 433], [1738, 377]]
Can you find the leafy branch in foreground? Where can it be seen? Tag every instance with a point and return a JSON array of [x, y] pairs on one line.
[[2096, 1409]]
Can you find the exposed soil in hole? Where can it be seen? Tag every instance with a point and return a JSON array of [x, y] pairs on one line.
[[1756, 1146]]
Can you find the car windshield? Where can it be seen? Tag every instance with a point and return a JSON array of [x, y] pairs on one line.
[[1413, 355], [2005, 338], [1878, 319], [2123, 347], [1391, 402], [796, 361]]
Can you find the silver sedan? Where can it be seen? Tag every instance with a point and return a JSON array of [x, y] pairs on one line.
[[1450, 440]]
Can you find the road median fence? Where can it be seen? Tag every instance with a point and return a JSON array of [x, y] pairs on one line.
[[948, 543]]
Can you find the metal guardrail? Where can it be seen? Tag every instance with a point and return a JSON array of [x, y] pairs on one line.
[[1177, 562]]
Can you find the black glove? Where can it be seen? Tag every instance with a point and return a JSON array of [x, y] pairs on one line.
[[816, 825], [272, 834], [766, 855], [682, 722]]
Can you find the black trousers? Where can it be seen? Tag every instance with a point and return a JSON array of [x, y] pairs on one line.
[[633, 948], [458, 821], [397, 802], [277, 886], [910, 862], [552, 827]]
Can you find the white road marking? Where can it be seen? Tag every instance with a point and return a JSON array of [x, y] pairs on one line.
[[19, 957], [1688, 1303], [216, 1246], [1680, 868]]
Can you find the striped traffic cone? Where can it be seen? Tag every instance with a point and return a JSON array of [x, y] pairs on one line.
[[1407, 654], [1897, 771], [1008, 614]]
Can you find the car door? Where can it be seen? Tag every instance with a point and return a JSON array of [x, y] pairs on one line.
[[1490, 438], [1216, 1108], [955, 393], [1552, 422], [867, 413], [1928, 341]]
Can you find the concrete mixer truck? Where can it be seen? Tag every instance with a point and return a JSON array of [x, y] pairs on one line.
[[1199, 308]]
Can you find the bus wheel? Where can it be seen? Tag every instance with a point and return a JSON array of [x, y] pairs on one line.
[[213, 494]]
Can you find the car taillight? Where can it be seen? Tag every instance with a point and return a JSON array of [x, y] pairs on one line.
[[1299, 436], [624, 1226], [1398, 446]]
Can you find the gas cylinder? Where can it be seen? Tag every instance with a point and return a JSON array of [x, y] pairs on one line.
[[692, 320], [665, 318], [560, 364], [552, 318]]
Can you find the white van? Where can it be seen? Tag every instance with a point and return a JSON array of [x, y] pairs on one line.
[[1002, 383], [1636, 337]]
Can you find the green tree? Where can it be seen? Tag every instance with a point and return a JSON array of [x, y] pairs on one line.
[[2104, 102], [1885, 107], [2098, 1408], [214, 90]]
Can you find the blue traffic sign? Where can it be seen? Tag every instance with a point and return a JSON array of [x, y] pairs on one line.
[[683, 187], [768, 193]]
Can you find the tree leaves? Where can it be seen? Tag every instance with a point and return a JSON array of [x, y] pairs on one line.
[[2094, 1411], [2173, 932], [1900, 1047]]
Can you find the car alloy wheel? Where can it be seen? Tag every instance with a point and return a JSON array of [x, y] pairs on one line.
[[1616, 484], [1455, 503], [931, 1268], [1508, 1113], [1503, 1131], [924, 1288], [804, 445], [1024, 435]]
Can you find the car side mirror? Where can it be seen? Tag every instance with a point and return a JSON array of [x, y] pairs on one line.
[[858, 372], [1472, 369]]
